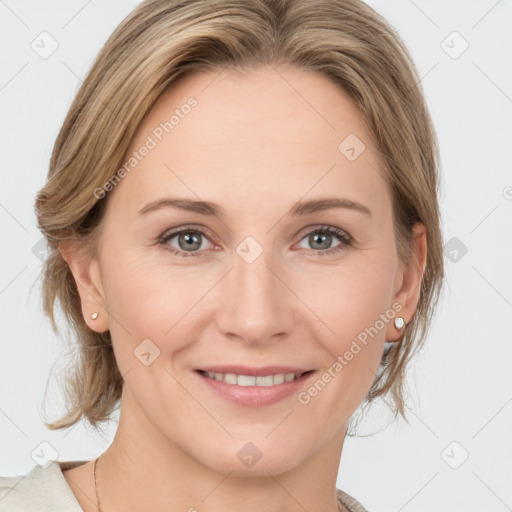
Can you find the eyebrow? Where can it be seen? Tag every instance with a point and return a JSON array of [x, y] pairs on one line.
[[300, 208]]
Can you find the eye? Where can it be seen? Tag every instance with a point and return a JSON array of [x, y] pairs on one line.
[[188, 239], [322, 237], [191, 240]]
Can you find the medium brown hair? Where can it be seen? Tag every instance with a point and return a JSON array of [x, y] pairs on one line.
[[162, 40]]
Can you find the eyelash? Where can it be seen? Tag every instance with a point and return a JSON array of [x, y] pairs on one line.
[[345, 239]]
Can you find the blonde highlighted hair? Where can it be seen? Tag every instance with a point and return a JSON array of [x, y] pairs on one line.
[[163, 40]]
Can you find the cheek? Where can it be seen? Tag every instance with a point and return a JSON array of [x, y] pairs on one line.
[[349, 299], [148, 298], [138, 291], [351, 302], [141, 280]]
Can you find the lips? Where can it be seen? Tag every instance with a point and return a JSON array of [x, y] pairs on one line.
[[252, 387]]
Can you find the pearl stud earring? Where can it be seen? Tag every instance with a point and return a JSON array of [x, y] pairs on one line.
[[400, 323], [94, 315]]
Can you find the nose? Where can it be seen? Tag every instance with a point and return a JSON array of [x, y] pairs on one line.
[[257, 304]]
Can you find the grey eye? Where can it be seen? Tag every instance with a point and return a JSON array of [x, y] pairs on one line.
[[188, 240]]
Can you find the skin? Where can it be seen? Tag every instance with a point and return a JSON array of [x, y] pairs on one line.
[[252, 140]]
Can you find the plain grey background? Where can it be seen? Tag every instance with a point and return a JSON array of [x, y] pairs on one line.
[[457, 453]]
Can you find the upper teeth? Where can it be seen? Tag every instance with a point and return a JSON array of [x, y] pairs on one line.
[[251, 380]]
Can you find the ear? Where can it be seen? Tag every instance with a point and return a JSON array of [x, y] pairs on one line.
[[409, 279], [86, 271]]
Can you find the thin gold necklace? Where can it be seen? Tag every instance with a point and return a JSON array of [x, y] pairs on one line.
[[95, 484]]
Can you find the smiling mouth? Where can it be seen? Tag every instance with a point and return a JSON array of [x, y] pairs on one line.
[[251, 380]]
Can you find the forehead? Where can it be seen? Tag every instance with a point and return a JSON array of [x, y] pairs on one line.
[[273, 134]]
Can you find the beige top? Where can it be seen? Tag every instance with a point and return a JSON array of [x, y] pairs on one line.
[[42, 490]]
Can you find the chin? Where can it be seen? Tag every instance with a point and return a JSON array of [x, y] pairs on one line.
[[262, 468], [253, 459]]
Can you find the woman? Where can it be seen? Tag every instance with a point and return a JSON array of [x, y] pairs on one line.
[[244, 234]]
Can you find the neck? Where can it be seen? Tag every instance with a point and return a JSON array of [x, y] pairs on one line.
[[143, 470]]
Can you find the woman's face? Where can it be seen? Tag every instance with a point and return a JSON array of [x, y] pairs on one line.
[[260, 277]]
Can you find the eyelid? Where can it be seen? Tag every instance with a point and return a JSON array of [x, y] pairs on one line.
[[172, 232], [311, 228]]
